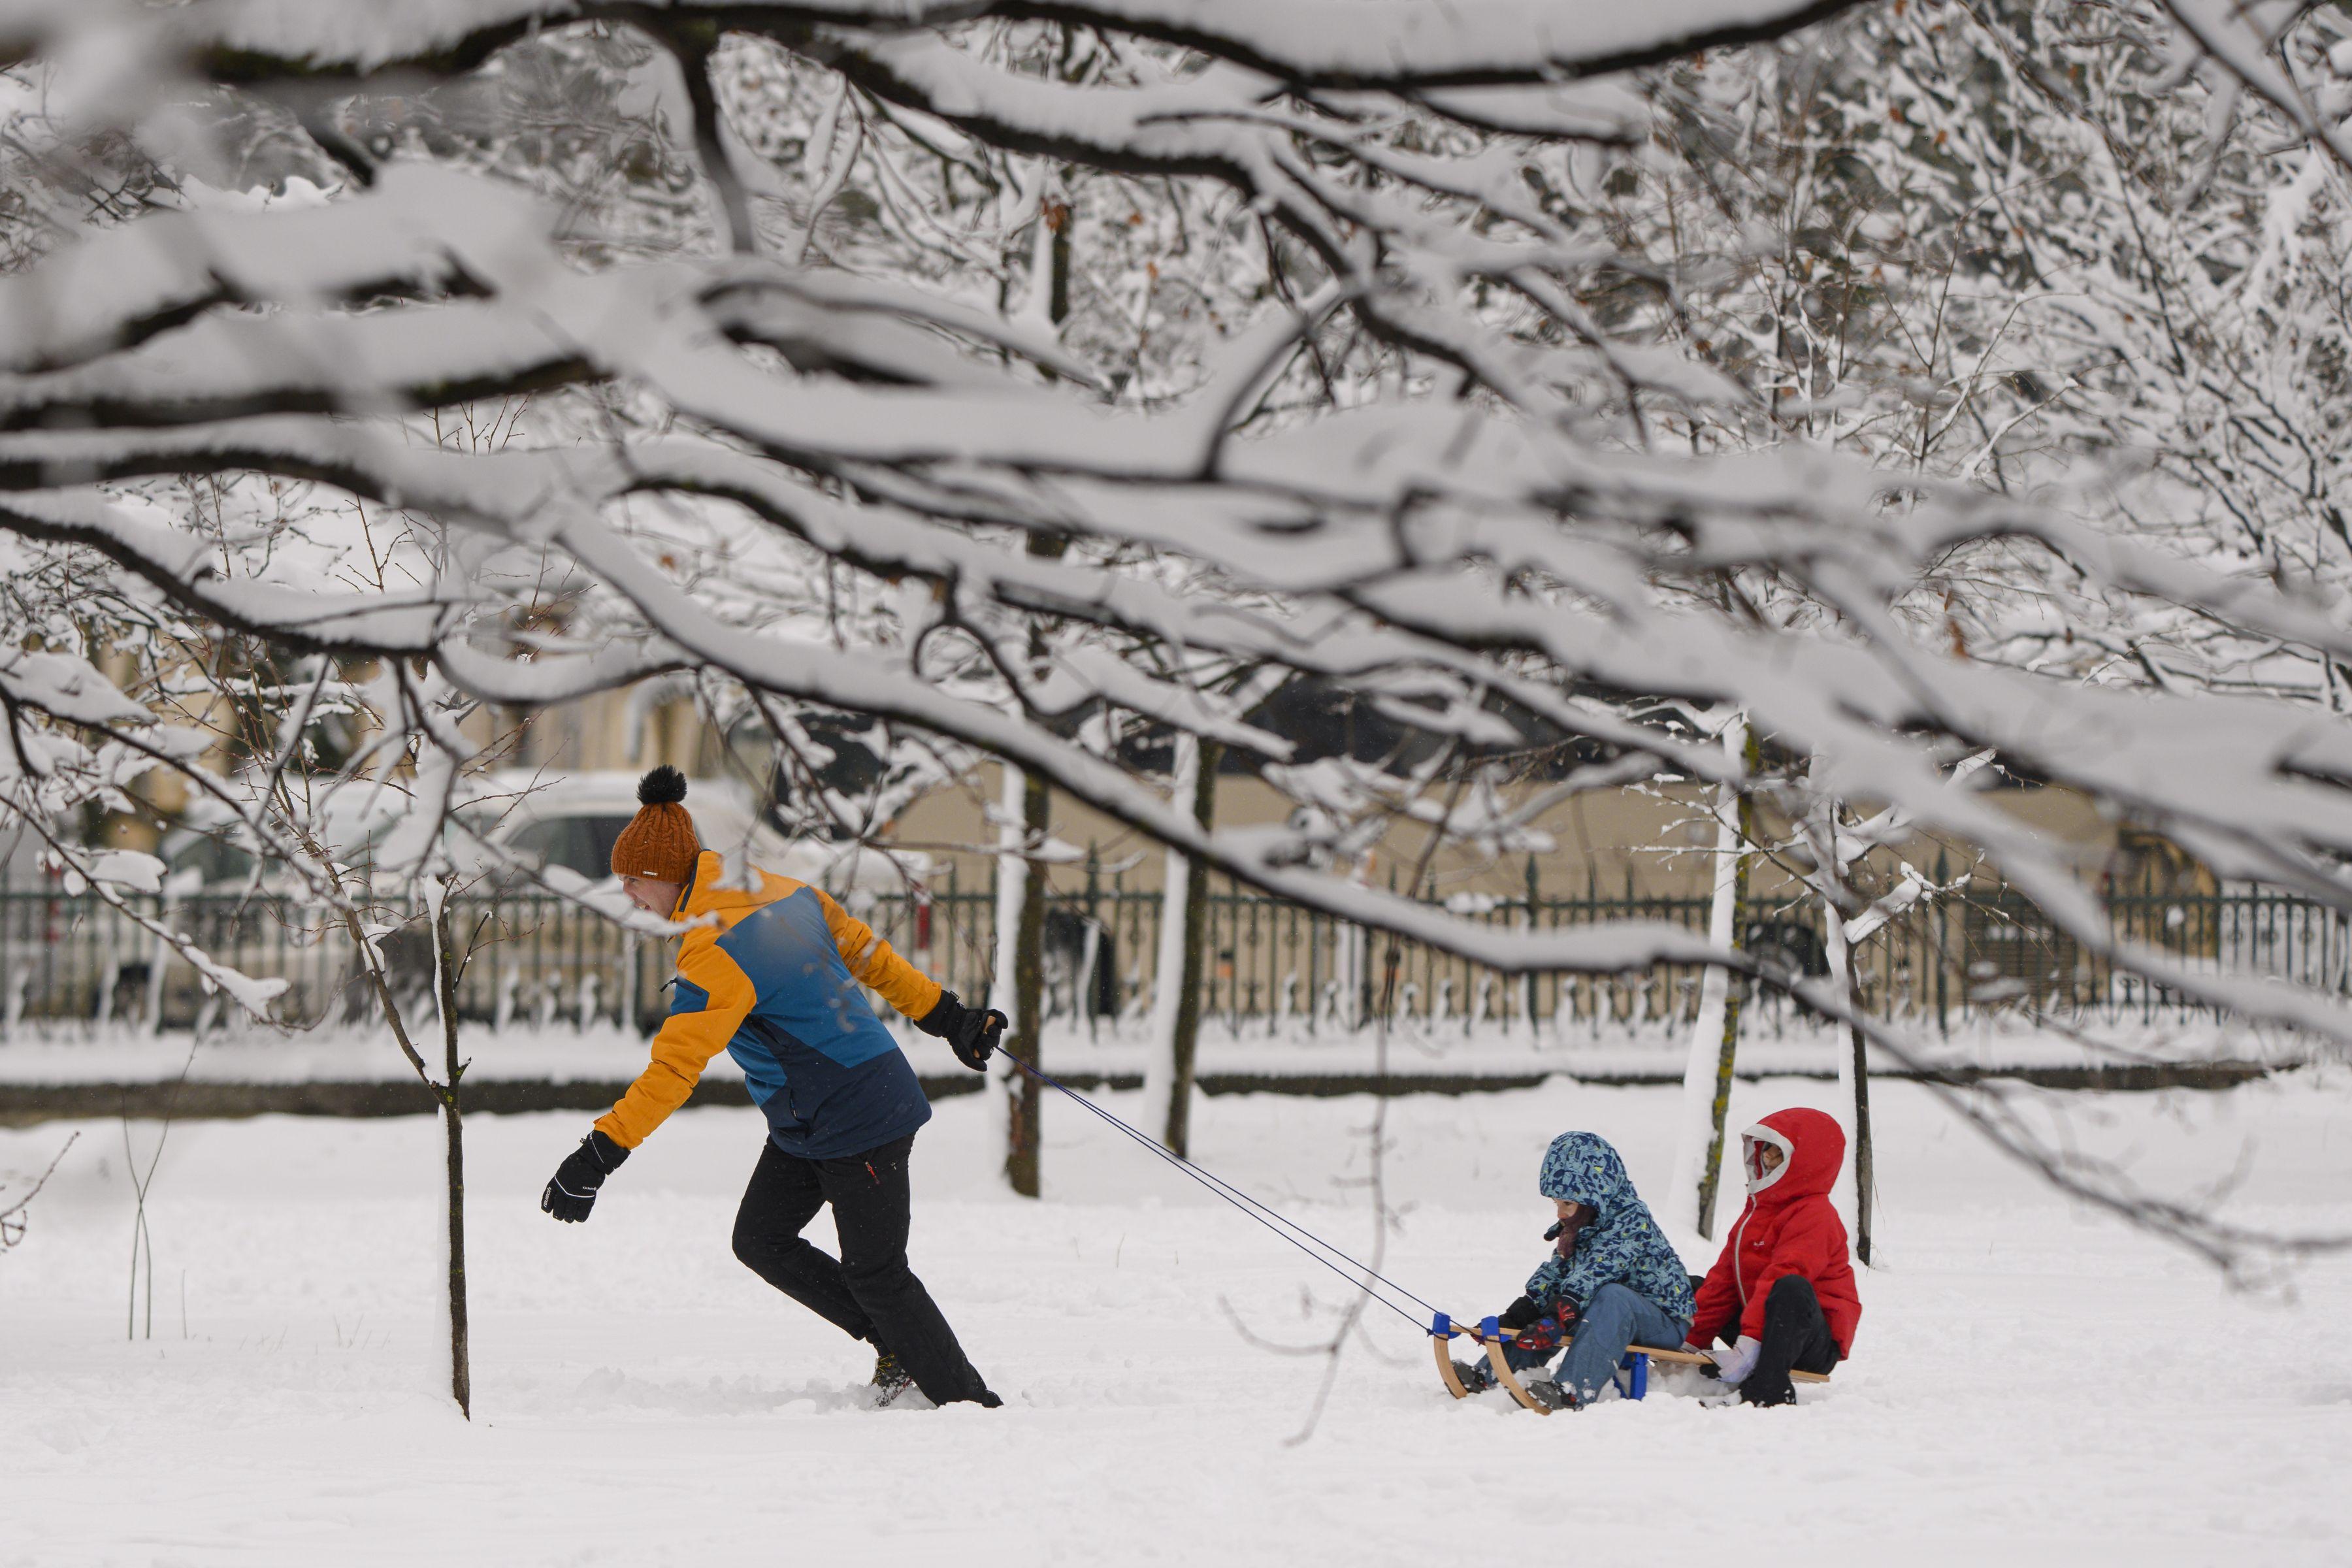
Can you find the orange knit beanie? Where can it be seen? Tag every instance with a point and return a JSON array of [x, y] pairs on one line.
[[659, 841]]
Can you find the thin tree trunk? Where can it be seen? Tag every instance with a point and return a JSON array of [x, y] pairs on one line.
[[1012, 883], [445, 990], [461, 1375], [1184, 1044], [1168, 968], [1699, 1140], [1023, 1125], [453, 1121], [1710, 1186], [1852, 1194], [1866, 1179], [1027, 1034]]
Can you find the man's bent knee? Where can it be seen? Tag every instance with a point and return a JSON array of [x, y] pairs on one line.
[[754, 1242]]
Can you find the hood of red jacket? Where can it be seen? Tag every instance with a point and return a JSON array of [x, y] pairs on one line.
[[1815, 1146]]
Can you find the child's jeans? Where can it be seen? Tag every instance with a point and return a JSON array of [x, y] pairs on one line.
[[1615, 1317]]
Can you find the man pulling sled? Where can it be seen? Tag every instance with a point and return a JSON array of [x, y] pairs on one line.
[[771, 975]]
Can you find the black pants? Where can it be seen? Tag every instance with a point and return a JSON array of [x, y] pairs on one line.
[[869, 1292], [1796, 1336]]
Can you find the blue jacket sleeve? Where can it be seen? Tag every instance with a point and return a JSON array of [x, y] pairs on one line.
[[1572, 1279], [1629, 1252]]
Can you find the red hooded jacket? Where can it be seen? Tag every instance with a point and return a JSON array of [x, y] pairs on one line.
[[1787, 1227]]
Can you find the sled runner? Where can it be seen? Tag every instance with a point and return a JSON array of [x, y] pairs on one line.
[[1635, 1367]]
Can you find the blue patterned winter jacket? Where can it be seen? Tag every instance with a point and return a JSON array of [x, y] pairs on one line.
[[1620, 1245]]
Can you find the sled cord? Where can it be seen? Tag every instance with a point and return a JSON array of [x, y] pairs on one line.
[[1249, 1205]]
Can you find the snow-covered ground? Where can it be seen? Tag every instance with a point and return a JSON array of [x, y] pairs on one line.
[[80, 1053], [2032, 1383]]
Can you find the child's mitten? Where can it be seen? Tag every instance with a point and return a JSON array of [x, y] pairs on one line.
[[1537, 1329], [1735, 1364], [1543, 1334]]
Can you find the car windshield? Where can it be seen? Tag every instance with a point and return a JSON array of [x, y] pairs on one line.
[[579, 844]]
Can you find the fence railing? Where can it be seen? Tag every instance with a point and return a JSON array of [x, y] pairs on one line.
[[534, 958], [1267, 962], [1985, 949]]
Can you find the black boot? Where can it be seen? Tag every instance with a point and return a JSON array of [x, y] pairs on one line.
[[1550, 1395], [890, 1379], [1795, 1335]]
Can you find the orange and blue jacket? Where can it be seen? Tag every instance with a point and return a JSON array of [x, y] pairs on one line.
[[773, 979]]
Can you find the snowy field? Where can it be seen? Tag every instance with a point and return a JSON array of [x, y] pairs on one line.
[[2031, 1383], [560, 1053]]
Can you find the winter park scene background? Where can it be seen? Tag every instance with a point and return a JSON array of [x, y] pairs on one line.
[[1386, 581]]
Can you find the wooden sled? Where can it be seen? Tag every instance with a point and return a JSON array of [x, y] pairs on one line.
[[1635, 1368]]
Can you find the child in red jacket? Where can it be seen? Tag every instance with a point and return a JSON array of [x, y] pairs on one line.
[[1782, 1293]]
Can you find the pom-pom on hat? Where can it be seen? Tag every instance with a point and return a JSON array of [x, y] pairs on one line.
[[659, 841]]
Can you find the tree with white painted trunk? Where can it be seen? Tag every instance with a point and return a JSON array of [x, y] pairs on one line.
[[1690, 1202], [1180, 971], [1165, 1077]]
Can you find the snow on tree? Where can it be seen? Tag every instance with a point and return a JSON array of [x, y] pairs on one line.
[[977, 369]]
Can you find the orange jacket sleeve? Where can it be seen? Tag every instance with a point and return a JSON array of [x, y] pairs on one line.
[[875, 963], [712, 998]]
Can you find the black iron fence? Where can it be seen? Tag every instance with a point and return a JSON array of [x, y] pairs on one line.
[[1269, 963], [1984, 950], [533, 959]]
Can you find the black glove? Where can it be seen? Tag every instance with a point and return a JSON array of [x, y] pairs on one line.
[[572, 1192], [971, 1034], [1518, 1314]]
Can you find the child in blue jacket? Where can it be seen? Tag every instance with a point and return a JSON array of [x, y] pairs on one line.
[[1614, 1279]]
